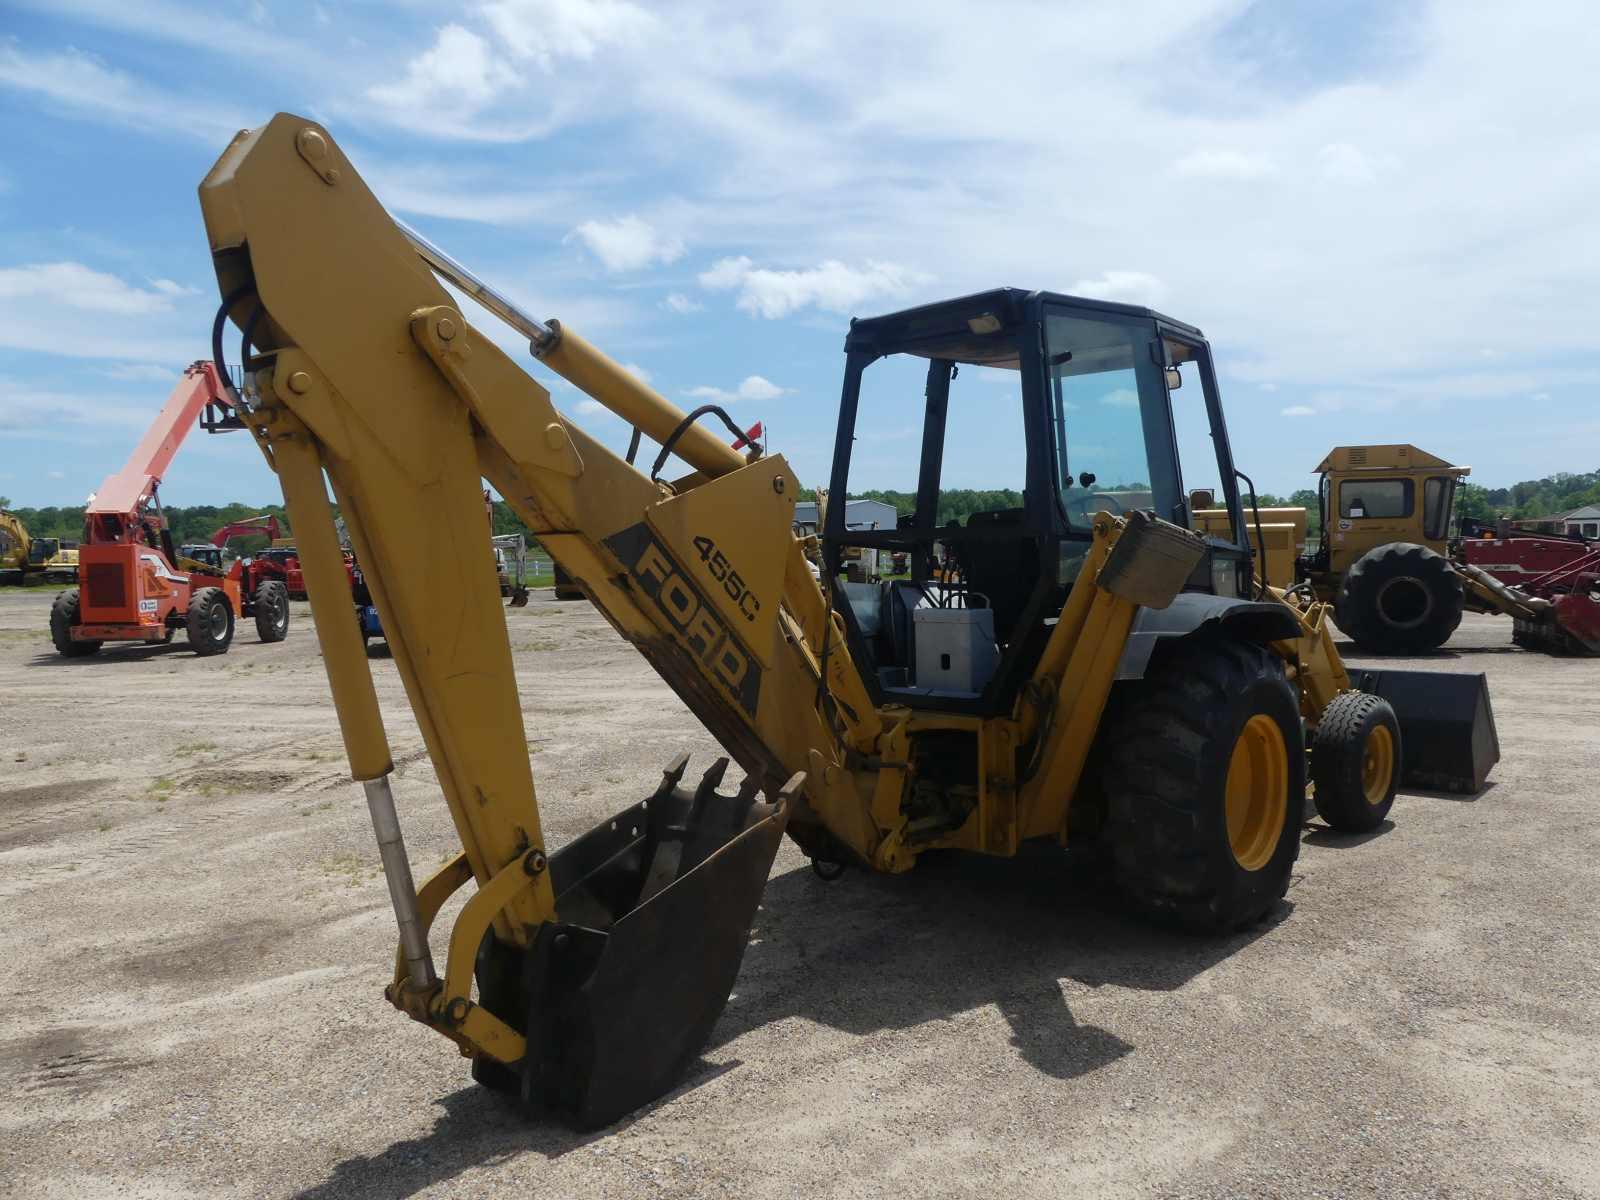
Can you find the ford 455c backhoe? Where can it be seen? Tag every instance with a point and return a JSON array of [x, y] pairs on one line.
[[1085, 666]]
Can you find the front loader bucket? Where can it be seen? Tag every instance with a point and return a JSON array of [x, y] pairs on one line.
[[1447, 733], [619, 995]]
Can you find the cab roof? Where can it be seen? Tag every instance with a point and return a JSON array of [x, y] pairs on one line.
[[942, 329], [1400, 457]]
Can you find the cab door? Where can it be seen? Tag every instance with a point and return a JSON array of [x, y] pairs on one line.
[[1212, 503]]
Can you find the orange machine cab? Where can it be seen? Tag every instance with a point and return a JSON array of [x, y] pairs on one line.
[[130, 592]]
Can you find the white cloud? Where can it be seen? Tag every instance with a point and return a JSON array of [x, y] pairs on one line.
[[753, 387], [1223, 164], [458, 73], [832, 286], [637, 372], [1299, 410], [78, 286], [544, 31], [1341, 162], [1127, 287], [142, 373], [628, 243], [43, 412], [590, 408], [677, 302], [83, 87], [71, 309], [1121, 398]]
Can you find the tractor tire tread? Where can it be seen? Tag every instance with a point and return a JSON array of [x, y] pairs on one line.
[[1356, 603], [1158, 733], [1337, 751], [63, 616], [197, 623], [270, 606]]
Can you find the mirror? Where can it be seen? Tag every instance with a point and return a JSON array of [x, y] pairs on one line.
[[1174, 379]]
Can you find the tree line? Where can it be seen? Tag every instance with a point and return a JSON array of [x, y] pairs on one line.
[[1528, 500], [1558, 493], [194, 523]]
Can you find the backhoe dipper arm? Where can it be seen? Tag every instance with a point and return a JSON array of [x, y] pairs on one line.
[[365, 372]]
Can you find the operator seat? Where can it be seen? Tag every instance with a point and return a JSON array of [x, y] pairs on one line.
[[1005, 569]]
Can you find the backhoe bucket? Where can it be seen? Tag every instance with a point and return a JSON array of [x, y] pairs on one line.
[[619, 995], [1447, 732]]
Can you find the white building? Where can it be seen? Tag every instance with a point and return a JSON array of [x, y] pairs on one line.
[[1585, 522], [858, 514]]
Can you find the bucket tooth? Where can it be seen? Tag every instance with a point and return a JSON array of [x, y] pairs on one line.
[[671, 777], [618, 995], [711, 780]]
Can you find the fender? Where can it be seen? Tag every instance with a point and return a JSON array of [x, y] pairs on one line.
[[1248, 620]]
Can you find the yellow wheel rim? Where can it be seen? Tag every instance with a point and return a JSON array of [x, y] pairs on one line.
[[1377, 765], [1257, 792]]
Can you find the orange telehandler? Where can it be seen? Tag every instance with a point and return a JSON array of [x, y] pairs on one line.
[[133, 584]]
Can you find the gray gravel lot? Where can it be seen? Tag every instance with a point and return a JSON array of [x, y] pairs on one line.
[[197, 937]]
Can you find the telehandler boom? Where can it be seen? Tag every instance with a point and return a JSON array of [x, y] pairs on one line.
[[1086, 666]]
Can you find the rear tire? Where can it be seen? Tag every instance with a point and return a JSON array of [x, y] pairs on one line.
[[1400, 599], [210, 622], [1355, 762], [1204, 776], [63, 616], [272, 611]]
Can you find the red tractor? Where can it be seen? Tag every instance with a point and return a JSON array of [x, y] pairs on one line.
[[263, 577], [132, 584]]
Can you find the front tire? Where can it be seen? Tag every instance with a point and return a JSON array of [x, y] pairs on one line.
[[209, 622], [1355, 762], [272, 611], [63, 616], [1204, 776], [1400, 599]]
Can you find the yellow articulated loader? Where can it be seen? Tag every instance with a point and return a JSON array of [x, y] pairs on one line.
[[1084, 667]]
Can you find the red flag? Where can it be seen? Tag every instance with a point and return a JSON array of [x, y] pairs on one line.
[[751, 435]]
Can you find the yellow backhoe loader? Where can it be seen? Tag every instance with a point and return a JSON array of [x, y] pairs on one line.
[[1084, 667]]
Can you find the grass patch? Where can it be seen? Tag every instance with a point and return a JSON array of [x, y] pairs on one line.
[[351, 868], [34, 583], [195, 748]]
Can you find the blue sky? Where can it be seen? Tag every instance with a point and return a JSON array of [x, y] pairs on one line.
[[1382, 215]]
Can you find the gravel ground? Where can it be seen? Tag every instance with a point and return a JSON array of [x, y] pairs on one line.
[[199, 937]]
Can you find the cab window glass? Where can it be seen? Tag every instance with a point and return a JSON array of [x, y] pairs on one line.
[[1098, 400], [1369, 499], [1199, 459], [1436, 493]]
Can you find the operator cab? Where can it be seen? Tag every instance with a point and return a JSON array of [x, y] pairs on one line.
[[1032, 413]]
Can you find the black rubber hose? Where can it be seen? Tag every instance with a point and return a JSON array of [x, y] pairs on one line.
[[228, 302], [683, 427]]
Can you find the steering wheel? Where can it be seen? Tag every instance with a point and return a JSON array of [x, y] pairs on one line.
[[1083, 503]]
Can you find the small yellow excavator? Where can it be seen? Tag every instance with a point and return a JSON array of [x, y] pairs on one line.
[[1086, 668]]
